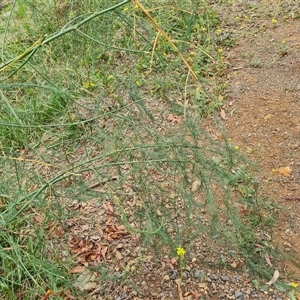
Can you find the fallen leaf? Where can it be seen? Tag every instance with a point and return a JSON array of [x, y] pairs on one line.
[[58, 232], [178, 282], [108, 206], [45, 297], [259, 246], [171, 263], [215, 137], [77, 269], [173, 260], [286, 171], [103, 252], [109, 219], [267, 258], [196, 294], [231, 102], [86, 281], [69, 295], [223, 114], [274, 278]]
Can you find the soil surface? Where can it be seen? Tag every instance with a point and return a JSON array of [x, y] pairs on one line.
[[262, 118], [265, 114]]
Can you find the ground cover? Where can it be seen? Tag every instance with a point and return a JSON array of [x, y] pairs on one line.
[[115, 183]]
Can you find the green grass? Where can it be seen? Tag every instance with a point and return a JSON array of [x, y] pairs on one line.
[[97, 99]]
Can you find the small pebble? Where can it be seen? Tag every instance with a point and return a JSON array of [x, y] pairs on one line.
[[225, 278], [172, 275], [214, 277], [238, 294]]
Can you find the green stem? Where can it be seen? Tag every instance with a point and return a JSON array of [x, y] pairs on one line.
[[180, 264], [61, 33]]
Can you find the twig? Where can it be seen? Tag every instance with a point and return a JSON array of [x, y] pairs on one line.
[[292, 198], [23, 159], [17, 233], [166, 37]]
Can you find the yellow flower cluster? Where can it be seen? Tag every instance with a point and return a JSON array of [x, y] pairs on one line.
[[89, 84], [180, 252], [294, 285]]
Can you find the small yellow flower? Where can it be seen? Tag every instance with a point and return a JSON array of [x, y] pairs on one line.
[[136, 6], [220, 50], [237, 148], [274, 170], [283, 42], [274, 21], [218, 31], [180, 252], [89, 84], [237, 18], [294, 285], [138, 83], [126, 9]]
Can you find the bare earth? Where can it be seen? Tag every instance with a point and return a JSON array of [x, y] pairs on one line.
[[265, 115]]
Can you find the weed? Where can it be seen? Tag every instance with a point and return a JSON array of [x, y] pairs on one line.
[[255, 63]]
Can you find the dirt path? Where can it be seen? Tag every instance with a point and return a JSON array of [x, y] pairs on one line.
[[264, 118]]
